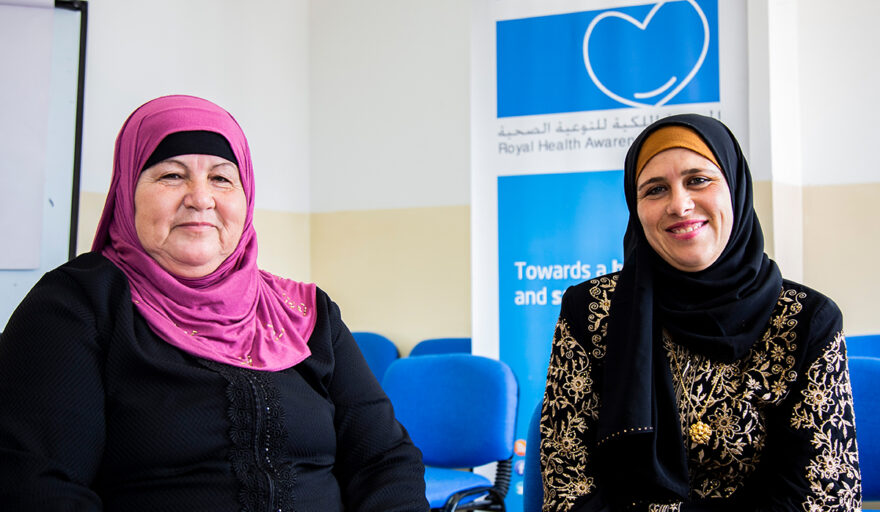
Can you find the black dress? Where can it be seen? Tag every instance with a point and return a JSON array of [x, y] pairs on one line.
[[98, 413], [783, 433]]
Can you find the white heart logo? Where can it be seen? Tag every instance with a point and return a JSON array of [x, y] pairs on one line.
[[642, 25]]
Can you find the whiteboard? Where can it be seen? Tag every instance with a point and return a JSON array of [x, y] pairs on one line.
[[61, 148]]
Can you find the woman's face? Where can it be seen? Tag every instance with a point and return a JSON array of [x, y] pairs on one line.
[[685, 209], [189, 213]]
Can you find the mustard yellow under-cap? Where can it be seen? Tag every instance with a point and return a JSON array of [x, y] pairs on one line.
[[669, 137]]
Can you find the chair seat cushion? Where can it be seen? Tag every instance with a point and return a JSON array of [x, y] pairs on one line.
[[441, 483]]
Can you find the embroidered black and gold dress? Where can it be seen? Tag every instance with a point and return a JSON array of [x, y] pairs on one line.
[[781, 418], [723, 388]]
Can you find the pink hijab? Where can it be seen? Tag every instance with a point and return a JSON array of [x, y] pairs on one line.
[[237, 315]]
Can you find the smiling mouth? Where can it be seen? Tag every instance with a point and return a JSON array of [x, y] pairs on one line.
[[689, 228]]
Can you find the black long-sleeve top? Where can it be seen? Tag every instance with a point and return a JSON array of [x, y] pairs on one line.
[[99, 413], [783, 434]]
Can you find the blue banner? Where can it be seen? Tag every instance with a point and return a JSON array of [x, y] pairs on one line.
[[663, 53], [572, 92], [554, 230]]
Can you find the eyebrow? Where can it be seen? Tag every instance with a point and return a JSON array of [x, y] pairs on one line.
[[182, 164]]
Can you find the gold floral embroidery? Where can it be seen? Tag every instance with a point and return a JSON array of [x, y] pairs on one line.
[[763, 377], [826, 412], [599, 310], [774, 354], [719, 467], [735, 410], [571, 404]]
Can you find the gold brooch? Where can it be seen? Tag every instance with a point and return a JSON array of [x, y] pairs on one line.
[[700, 432]]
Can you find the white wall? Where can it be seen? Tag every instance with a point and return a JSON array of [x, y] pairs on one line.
[[838, 79], [390, 103], [364, 105], [249, 57], [838, 86], [347, 104]]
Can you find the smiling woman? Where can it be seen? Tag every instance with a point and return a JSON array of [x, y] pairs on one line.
[[684, 202], [696, 378]]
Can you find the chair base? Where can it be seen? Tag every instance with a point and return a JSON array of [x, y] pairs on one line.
[[487, 498]]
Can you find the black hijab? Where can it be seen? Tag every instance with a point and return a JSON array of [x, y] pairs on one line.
[[719, 312]]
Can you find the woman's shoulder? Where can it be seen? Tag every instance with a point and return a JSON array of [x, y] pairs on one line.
[[586, 306], [86, 295], [806, 301], [328, 315], [287, 284], [805, 314], [599, 288], [325, 305], [90, 274], [88, 266]]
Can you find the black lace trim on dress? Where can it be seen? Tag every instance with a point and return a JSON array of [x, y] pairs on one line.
[[258, 439]]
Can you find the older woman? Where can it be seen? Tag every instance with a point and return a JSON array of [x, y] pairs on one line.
[[697, 378], [165, 371]]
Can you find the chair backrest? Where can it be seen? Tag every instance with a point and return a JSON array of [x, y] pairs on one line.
[[533, 486], [865, 345], [441, 346], [864, 374], [378, 350], [459, 409]]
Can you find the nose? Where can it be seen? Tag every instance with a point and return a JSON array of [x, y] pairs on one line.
[[199, 196], [680, 202]]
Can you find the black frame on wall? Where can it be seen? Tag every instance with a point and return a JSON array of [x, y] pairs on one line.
[[83, 8]]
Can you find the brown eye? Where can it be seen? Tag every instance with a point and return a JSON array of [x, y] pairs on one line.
[[222, 180], [653, 191]]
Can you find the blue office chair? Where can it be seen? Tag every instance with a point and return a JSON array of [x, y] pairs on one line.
[[865, 345], [460, 410], [442, 346], [378, 350], [864, 374], [533, 485]]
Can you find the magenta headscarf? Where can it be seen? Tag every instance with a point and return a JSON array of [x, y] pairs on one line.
[[237, 315]]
